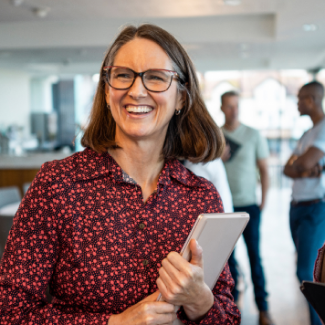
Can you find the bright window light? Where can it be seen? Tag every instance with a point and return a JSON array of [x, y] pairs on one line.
[[309, 27], [95, 77]]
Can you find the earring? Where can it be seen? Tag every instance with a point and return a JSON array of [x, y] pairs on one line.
[[177, 111]]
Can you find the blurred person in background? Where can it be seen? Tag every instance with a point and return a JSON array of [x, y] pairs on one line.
[[245, 152], [104, 227], [214, 171], [305, 167]]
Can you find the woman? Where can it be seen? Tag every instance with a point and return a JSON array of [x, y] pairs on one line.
[[105, 226]]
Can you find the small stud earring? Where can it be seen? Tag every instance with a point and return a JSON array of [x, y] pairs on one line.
[[177, 111]]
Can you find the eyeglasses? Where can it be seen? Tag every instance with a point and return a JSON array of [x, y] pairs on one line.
[[155, 80]]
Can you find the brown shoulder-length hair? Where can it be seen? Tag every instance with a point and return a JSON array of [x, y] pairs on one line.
[[191, 135]]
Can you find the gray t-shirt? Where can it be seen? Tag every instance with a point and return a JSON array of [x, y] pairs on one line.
[[248, 146], [305, 189]]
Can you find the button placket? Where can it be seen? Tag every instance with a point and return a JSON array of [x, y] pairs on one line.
[[140, 225], [142, 235]]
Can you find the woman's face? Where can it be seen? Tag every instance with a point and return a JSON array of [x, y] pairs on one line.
[[141, 55]]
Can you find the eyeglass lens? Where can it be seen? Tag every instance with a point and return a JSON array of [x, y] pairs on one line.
[[154, 80]]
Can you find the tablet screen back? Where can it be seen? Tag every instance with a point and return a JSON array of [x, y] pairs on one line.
[[217, 234]]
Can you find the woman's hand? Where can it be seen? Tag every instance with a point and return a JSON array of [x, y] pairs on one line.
[[181, 283], [146, 312]]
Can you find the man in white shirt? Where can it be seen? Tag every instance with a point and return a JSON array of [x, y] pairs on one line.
[[214, 171], [305, 167]]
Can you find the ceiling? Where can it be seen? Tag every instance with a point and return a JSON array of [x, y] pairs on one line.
[[74, 34]]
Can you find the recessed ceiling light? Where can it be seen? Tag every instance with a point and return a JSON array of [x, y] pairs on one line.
[[309, 27], [244, 46], [17, 3], [244, 55], [41, 12], [232, 2]]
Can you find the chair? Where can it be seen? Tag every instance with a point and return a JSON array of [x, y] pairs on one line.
[[10, 194], [5, 226]]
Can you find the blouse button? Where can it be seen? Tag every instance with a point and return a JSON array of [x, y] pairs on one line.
[[142, 225], [145, 262]]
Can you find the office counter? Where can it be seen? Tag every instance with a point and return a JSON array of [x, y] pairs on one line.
[[18, 170]]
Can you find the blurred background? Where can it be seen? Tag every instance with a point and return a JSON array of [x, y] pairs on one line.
[[51, 52]]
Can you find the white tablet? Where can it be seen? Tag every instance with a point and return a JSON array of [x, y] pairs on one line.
[[217, 234]]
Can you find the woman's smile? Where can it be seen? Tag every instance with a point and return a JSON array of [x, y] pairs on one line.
[[138, 109]]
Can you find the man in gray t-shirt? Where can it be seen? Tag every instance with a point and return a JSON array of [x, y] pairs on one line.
[[246, 152], [305, 167]]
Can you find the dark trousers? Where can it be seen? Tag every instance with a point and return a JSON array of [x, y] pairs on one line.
[[307, 225], [252, 239]]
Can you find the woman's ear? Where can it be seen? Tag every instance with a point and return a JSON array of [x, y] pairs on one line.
[[107, 94], [181, 99]]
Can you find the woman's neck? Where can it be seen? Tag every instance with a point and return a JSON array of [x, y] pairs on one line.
[[142, 161]]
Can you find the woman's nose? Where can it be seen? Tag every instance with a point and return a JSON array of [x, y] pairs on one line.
[[138, 89]]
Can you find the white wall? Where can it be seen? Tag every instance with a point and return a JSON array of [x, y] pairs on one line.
[[14, 99]]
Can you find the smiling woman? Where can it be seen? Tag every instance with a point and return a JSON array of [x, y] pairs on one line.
[[104, 227], [192, 134]]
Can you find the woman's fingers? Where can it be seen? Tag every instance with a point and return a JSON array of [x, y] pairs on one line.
[[160, 307], [162, 288], [146, 312], [180, 263], [175, 272], [180, 282], [159, 313], [197, 253], [170, 272], [167, 319]]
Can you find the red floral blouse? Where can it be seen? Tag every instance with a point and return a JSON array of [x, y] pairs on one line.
[[319, 264], [83, 229]]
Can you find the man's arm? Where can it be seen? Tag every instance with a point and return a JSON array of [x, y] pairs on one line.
[[305, 165], [262, 166]]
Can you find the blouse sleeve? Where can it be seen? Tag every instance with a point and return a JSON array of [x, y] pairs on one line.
[[319, 270], [224, 311], [29, 259]]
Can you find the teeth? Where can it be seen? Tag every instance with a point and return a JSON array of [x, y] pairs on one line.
[[138, 109]]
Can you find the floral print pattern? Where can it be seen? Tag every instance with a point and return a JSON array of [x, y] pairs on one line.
[[83, 229]]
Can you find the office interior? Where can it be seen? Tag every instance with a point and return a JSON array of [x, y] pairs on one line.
[[50, 55]]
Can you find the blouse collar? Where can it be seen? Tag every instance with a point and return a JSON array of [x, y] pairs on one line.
[[89, 164]]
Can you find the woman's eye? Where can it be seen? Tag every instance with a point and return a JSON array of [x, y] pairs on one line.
[[155, 78], [123, 76]]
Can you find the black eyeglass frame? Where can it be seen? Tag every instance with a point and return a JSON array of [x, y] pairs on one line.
[[174, 74]]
